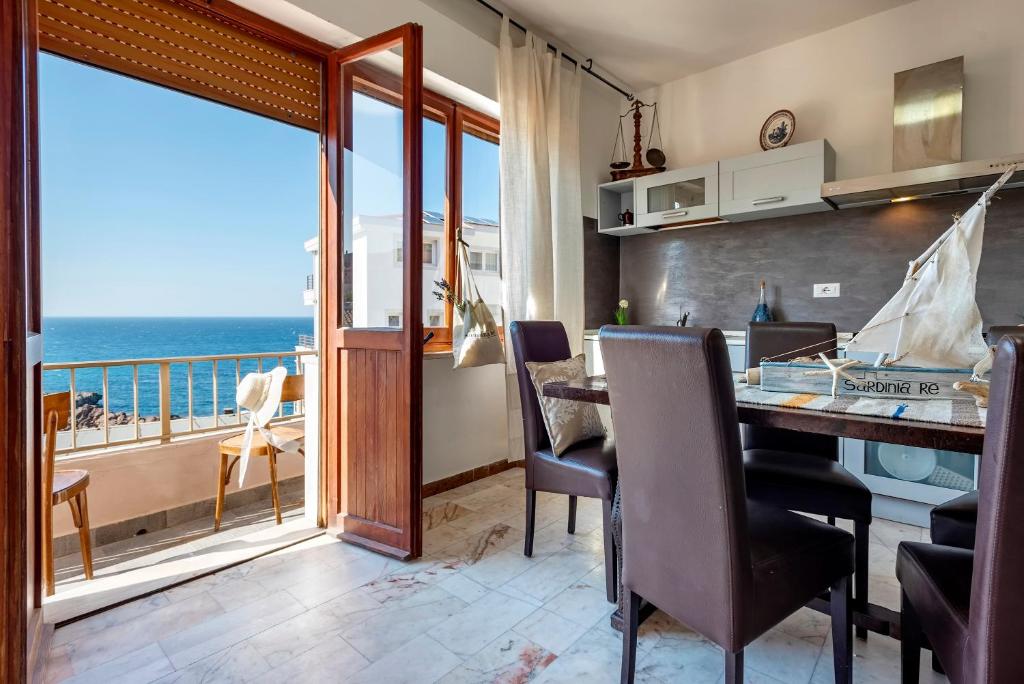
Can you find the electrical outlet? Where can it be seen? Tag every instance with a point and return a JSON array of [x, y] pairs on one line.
[[826, 289]]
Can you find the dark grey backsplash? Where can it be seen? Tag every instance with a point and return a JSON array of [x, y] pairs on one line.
[[600, 274], [714, 271]]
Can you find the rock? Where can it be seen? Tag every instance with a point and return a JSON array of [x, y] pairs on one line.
[[88, 399]]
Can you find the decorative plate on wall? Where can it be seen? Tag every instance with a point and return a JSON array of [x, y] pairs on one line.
[[778, 129]]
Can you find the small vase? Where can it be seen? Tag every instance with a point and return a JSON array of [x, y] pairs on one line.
[[762, 314]]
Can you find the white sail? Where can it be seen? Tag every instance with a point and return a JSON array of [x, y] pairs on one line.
[[933, 321]]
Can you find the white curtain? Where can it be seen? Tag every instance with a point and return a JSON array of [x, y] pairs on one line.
[[541, 205]]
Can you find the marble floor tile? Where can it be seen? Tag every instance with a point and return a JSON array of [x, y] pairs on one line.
[[581, 603], [144, 665], [509, 659], [479, 623], [330, 659], [553, 574], [549, 630], [236, 664], [383, 631], [420, 661]]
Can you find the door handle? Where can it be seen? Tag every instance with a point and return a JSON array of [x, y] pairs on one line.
[[672, 214], [429, 336], [769, 200]]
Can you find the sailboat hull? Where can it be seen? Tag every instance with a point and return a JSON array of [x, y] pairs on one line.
[[893, 382]]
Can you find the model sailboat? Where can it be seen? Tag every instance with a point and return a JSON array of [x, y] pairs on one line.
[[926, 339]]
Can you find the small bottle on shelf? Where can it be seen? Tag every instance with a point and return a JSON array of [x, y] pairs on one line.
[[762, 314]]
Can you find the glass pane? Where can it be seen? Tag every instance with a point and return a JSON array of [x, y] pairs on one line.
[[434, 180], [373, 257], [480, 217], [948, 469], [680, 195]]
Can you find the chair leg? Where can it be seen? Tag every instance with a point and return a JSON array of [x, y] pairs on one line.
[[272, 463], [531, 517], [80, 515], [734, 667], [48, 574], [611, 567], [860, 577], [842, 630], [572, 514], [630, 626], [910, 642], [222, 476]]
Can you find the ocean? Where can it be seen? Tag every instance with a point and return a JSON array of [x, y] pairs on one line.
[[105, 339]]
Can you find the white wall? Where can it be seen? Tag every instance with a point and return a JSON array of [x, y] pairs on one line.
[[839, 85], [464, 421]]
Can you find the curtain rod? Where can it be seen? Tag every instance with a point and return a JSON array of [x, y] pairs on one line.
[[588, 67]]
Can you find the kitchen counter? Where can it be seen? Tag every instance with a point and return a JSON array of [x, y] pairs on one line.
[[734, 338]]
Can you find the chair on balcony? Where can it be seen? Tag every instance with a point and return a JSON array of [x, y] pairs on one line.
[[231, 450], [61, 486]]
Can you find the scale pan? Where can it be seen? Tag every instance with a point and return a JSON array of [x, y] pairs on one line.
[[619, 165], [655, 157]]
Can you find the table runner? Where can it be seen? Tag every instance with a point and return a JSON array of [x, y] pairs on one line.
[[947, 411]]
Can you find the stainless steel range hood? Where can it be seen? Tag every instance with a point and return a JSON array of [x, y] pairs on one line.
[[931, 181]]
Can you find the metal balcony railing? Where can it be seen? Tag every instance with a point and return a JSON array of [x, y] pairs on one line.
[[307, 341], [136, 426], [309, 282]]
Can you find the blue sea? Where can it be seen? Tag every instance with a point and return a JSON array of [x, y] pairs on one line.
[[106, 339]]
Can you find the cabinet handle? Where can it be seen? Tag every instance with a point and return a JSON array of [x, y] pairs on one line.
[[769, 200], [671, 214]]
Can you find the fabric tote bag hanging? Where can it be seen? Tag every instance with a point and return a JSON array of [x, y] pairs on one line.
[[475, 340]]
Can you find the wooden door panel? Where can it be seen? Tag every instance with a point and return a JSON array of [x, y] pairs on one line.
[[373, 376]]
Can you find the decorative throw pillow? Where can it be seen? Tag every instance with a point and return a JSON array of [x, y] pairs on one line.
[[567, 421]]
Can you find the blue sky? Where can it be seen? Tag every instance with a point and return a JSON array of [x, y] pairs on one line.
[[156, 203]]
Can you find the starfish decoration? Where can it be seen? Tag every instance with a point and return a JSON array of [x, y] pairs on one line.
[[836, 368]]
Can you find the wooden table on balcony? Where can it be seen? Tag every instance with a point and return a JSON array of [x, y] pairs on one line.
[[911, 433]]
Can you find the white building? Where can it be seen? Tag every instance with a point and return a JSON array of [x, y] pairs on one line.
[[377, 267]]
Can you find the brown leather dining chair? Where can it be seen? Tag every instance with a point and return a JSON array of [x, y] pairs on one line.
[[694, 545], [62, 485], [953, 523], [585, 469], [967, 605], [801, 471]]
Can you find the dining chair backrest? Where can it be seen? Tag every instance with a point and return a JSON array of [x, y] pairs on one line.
[[684, 508], [56, 413], [293, 388], [996, 332], [785, 341], [540, 341], [997, 602]]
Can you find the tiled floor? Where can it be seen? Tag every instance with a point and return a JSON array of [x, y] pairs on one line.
[[472, 610], [159, 559]]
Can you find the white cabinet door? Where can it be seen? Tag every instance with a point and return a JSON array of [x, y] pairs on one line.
[[677, 197], [780, 182]]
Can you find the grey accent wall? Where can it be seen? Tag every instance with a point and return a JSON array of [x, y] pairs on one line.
[[600, 275], [714, 271]]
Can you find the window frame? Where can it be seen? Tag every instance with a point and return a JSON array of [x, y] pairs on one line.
[[457, 119]]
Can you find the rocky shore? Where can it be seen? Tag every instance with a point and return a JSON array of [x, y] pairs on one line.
[[89, 413]]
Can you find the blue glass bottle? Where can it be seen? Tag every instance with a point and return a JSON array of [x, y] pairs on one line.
[[762, 314]]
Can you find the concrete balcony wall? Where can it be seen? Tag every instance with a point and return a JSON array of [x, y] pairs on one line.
[[134, 481]]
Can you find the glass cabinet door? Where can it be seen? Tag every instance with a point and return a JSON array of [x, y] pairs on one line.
[[678, 196]]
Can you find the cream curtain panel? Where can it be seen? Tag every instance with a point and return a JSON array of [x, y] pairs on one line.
[[541, 206]]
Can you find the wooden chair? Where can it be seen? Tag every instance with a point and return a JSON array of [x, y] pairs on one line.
[[231, 448], [60, 486]]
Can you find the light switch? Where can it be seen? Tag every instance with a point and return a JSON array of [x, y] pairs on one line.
[[826, 289]]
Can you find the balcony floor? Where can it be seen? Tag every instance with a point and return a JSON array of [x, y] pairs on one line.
[[131, 567], [474, 609]]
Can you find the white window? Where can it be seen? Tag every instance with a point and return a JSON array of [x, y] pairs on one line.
[[434, 321], [394, 320], [429, 253], [491, 262], [483, 261]]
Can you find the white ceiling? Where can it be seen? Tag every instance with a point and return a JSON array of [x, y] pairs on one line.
[[650, 42]]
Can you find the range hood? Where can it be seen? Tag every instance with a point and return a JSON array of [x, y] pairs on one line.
[[931, 181]]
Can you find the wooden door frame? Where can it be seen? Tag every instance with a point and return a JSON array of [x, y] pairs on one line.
[[22, 631], [333, 336]]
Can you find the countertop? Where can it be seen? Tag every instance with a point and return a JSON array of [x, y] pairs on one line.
[[734, 338]]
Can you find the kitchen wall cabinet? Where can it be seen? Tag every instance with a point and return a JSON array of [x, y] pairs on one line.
[[781, 182], [680, 196]]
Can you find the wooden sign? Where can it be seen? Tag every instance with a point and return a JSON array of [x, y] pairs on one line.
[[866, 381]]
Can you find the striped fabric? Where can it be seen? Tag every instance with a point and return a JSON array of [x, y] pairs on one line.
[[947, 411]]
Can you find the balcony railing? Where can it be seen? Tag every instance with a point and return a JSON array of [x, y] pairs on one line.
[[307, 341], [309, 281], [162, 424]]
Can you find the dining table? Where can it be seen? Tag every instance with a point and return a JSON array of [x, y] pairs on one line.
[[913, 433]]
